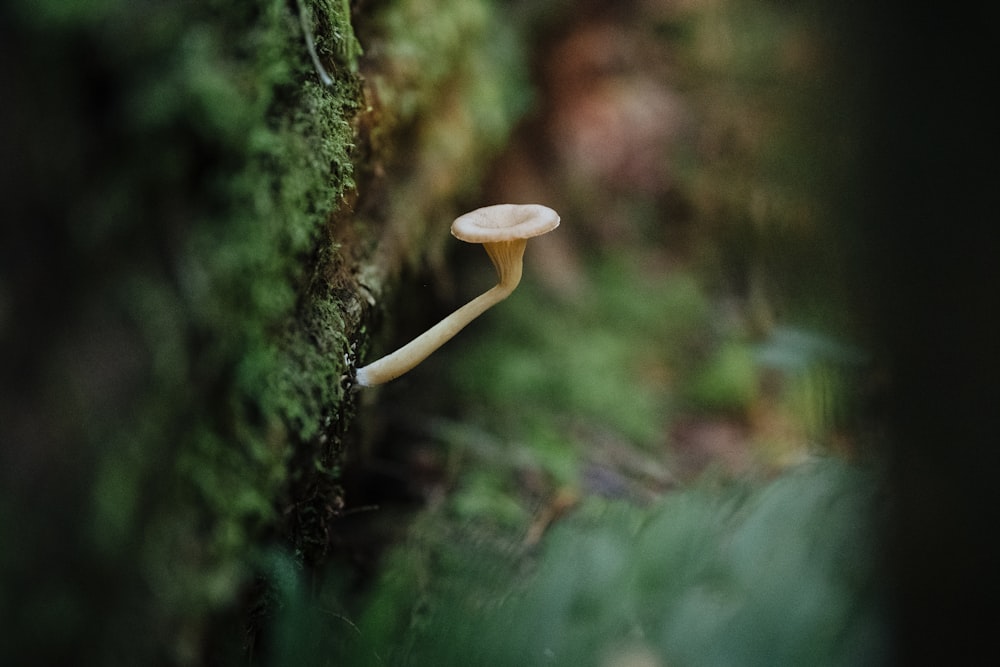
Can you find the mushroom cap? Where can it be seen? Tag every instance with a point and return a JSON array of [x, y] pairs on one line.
[[504, 222]]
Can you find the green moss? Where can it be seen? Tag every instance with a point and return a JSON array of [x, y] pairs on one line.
[[181, 344], [281, 162], [333, 33]]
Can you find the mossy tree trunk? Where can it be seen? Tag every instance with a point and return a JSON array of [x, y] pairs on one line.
[[198, 237]]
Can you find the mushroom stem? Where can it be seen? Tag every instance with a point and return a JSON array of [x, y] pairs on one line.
[[507, 258]]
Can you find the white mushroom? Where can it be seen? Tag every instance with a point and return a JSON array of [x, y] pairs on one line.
[[504, 231]]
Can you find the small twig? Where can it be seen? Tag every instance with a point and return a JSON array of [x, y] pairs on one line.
[[311, 45]]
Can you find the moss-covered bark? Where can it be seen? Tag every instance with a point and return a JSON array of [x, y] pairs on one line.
[[197, 236]]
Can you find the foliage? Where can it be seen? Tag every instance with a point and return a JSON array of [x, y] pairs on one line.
[[783, 572], [541, 356]]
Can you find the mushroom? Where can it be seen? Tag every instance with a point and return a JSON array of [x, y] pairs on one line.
[[504, 230]]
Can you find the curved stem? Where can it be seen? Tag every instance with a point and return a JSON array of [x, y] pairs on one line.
[[507, 258]]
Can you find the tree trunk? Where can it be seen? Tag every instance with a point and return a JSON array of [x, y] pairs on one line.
[[199, 237]]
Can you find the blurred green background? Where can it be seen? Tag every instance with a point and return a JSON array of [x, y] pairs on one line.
[[735, 414]]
